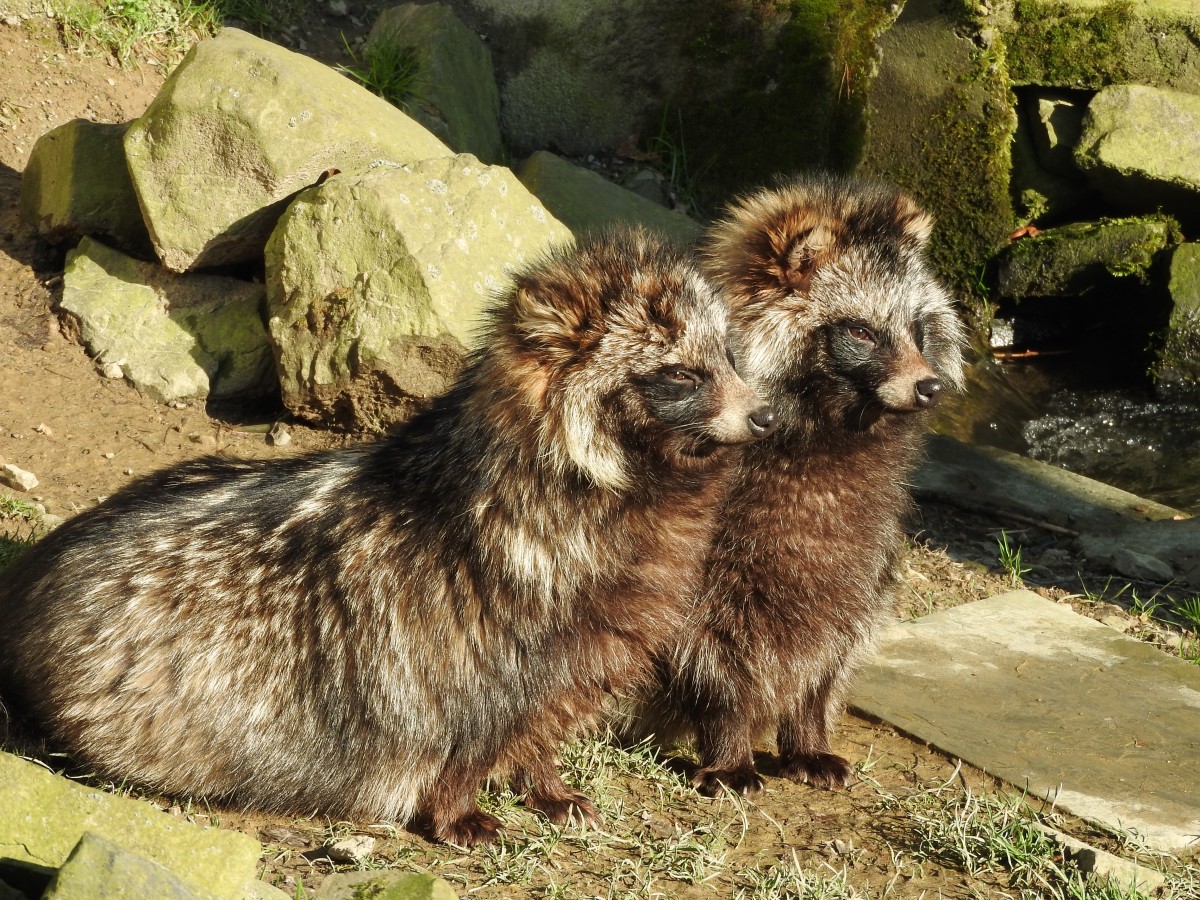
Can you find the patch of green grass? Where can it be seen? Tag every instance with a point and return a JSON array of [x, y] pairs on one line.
[[11, 548], [683, 175], [787, 880], [152, 30], [1010, 560], [15, 540], [1002, 835], [262, 16], [644, 846], [1187, 609], [384, 68], [14, 508]]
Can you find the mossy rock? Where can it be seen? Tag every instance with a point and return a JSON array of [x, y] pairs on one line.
[[957, 161], [1076, 259], [728, 98], [454, 91], [1177, 371], [1093, 43], [76, 184], [377, 282], [587, 203], [237, 130], [44, 815], [777, 90], [1141, 146]]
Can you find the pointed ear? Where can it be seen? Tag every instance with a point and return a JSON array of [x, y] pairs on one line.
[[804, 256], [547, 323], [915, 223]]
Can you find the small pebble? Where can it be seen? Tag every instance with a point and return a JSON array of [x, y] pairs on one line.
[[279, 436], [17, 478], [45, 429], [354, 849], [108, 455]]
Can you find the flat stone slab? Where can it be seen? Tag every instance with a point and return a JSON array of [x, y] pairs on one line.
[[1103, 725]]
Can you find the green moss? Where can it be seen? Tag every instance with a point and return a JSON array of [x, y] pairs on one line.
[[971, 179], [1075, 259], [1058, 44], [801, 70], [1090, 45]]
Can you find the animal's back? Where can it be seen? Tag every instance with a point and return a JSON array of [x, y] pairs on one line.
[[200, 630]]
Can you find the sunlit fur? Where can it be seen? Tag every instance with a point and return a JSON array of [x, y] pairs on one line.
[[373, 632], [799, 575]]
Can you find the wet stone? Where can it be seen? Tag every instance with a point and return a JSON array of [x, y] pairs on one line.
[[1054, 703]]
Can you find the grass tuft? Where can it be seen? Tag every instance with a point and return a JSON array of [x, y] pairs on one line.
[[787, 880], [156, 31], [1010, 560], [384, 68]]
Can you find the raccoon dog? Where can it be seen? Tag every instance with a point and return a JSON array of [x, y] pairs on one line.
[[850, 338], [373, 632]]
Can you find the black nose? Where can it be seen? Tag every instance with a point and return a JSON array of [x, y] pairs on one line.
[[763, 422], [929, 392]]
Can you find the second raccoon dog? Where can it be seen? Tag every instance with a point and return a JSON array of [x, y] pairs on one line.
[[849, 336], [373, 632]]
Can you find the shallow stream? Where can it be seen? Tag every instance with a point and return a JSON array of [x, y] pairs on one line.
[[1085, 422]]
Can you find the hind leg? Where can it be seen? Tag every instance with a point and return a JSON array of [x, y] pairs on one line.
[[804, 752], [726, 759], [544, 790]]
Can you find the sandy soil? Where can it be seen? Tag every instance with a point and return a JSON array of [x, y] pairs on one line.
[[84, 436]]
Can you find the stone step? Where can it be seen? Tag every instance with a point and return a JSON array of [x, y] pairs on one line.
[[1057, 704]]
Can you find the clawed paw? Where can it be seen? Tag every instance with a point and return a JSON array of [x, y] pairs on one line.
[[562, 809], [824, 770], [713, 782], [471, 830]]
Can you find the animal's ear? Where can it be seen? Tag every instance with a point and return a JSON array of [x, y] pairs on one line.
[[915, 223], [804, 255], [546, 323]]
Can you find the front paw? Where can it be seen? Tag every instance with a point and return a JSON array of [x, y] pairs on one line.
[[712, 782], [824, 770], [471, 830], [562, 809]]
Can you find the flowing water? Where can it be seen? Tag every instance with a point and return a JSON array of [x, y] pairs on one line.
[[1060, 415]]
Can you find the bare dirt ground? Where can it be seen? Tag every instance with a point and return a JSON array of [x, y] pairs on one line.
[[84, 436]]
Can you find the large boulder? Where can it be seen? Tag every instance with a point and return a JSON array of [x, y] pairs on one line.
[[238, 129], [941, 125], [44, 816], [1091, 43], [1177, 371], [586, 202], [385, 886], [376, 281], [99, 868], [737, 92], [76, 184], [172, 336], [1141, 147], [455, 93], [1075, 260]]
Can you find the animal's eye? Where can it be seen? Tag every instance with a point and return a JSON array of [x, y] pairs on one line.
[[681, 378], [860, 333]]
